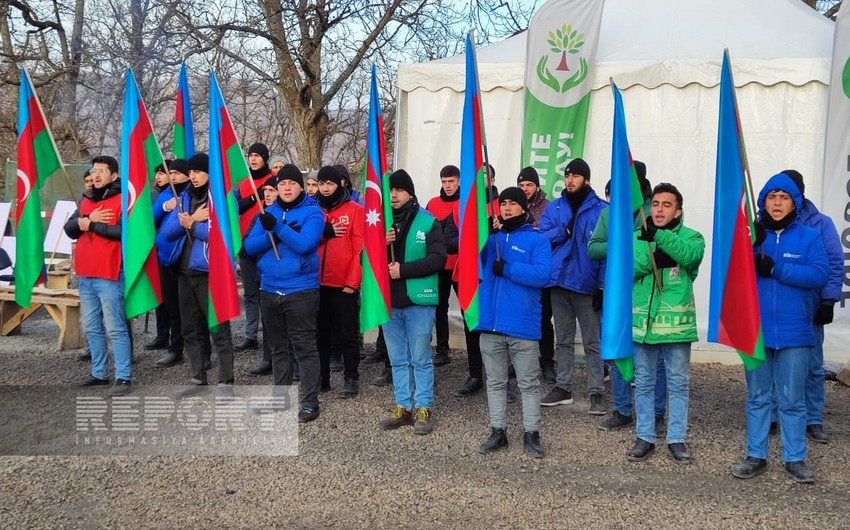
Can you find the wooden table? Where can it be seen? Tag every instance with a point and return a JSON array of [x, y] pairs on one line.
[[63, 306]]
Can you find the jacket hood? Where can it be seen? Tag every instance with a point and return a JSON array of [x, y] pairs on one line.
[[782, 182]]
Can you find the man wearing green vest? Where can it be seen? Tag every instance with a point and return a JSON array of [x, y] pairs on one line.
[[417, 253]]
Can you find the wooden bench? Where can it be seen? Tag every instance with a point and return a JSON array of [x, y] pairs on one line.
[[63, 306]]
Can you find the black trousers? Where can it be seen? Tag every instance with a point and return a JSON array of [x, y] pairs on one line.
[[168, 325], [194, 299], [293, 321], [338, 324], [547, 338], [473, 350]]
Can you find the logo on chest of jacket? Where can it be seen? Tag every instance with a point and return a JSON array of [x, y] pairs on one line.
[[420, 236], [792, 256], [516, 248], [343, 219]]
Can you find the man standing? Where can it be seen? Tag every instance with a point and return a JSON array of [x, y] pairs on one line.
[[529, 182], [417, 254], [96, 226], [289, 287], [664, 319], [511, 281], [791, 266], [187, 228], [258, 156], [567, 223], [340, 274]]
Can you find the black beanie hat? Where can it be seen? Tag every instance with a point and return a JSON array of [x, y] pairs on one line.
[[402, 181], [795, 175], [330, 173], [179, 165], [272, 181], [199, 162], [261, 150], [290, 172], [343, 174], [528, 174], [577, 166], [162, 167], [515, 194]]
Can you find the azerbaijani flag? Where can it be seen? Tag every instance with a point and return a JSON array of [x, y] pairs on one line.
[[38, 158], [375, 306], [184, 133], [227, 169], [626, 198], [733, 308], [140, 155], [473, 229]]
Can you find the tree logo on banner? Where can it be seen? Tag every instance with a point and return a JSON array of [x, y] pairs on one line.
[[845, 78], [564, 41]]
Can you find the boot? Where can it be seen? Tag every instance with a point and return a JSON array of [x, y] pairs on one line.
[[497, 440], [172, 358]]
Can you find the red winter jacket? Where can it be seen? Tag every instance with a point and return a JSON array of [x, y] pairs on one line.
[[246, 190], [339, 257], [98, 252]]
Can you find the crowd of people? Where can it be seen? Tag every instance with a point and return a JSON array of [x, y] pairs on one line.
[[302, 274]]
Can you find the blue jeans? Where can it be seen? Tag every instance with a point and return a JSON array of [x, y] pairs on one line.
[[677, 359], [102, 313], [408, 338], [622, 391], [496, 352], [815, 394], [785, 369]]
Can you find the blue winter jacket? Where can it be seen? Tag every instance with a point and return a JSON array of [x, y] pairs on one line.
[[811, 217], [510, 304], [786, 299], [174, 239], [572, 268], [297, 234], [159, 214]]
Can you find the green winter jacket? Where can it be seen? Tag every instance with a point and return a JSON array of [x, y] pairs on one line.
[[597, 246], [669, 316]]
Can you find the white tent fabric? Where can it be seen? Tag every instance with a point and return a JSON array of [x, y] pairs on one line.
[[665, 56]]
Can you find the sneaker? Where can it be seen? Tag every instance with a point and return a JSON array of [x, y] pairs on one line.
[[122, 387], [597, 405], [471, 387], [385, 379], [680, 454], [263, 367], [224, 393], [376, 357], [350, 388], [85, 356], [190, 390], [615, 422], [549, 374], [640, 451], [815, 432], [497, 440], [308, 413], [531, 444], [442, 358], [423, 423], [749, 468], [558, 396], [247, 344], [159, 343], [89, 381], [800, 472], [399, 418]]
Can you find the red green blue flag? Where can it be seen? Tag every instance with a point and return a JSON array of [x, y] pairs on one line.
[[38, 158], [184, 133], [616, 336], [227, 170], [473, 229], [375, 308], [733, 309], [140, 156]]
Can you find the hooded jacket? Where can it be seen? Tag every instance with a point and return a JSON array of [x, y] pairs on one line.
[[811, 217], [787, 297], [176, 236], [510, 304]]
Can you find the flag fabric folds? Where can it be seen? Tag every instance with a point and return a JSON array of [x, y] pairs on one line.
[[140, 156], [375, 308], [473, 229], [733, 312], [184, 133], [616, 337], [227, 168], [38, 158]]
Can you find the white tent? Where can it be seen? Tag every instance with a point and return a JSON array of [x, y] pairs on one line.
[[665, 56]]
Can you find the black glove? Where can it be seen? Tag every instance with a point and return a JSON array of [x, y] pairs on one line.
[[663, 260], [824, 315], [295, 226], [647, 233], [267, 220], [597, 300], [246, 203], [329, 230], [764, 266], [761, 234], [499, 267]]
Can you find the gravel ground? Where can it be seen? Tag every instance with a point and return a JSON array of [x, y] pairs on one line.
[[349, 474]]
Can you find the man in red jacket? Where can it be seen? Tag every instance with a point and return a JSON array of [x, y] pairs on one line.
[[97, 261], [340, 274]]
